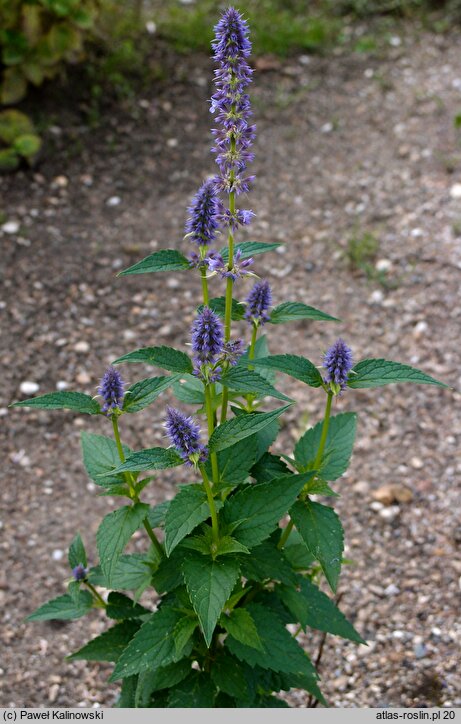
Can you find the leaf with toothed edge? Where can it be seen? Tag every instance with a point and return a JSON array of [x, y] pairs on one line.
[[293, 365], [380, 372], [114, 533], [297, 311], [142, 393], [160, 261], [249, 249], [166, 358], [238, 428], [64, 400]]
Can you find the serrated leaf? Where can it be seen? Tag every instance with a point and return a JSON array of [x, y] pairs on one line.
[[157, 514], [228, 675], [258, 508], [163, 260], [151, 647], [249, 249], [227, 545], [100, 456], [267, 562], [194, 692], [126, 699], [379, 372], [63, 608], [239, 624], [290, 364], [154, 458], [261, 350], [121, 607], [295, 311], [142, 393], [281, 652], [131, 573], [218, 305], [190, 390], [209, 584], [109, 645], [187, 509], [166, 358], [76, 401], [235, 462], [238, 428], [322, 532], [297, 553], [311, 607], [114, 533], [240, 379], [162, 678], [168, 575], [269, 467], [182, 633], [77, 553], [338, 446]]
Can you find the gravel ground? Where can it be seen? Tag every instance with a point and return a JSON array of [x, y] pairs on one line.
[[346, 145]]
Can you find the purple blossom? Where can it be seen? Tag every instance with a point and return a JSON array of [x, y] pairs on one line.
[[241, 217], [80, 572], [202, 224], [232, 351], [196, 261], [258, 302], [239, 268], [338, 362], [184, 433], [207, 337], [111, 390]]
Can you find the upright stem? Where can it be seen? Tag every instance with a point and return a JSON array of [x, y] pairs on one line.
[[251, 355], [209, 495], [229, 287], [204, 287], [96, 595], [210, 419]]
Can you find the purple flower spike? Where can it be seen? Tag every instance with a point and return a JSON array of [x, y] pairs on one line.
[[184, 433], [79, 572], [111, 390], [239, 269], [207, 337], [338, 363], [258, 302], [232, 351], [202, 224]]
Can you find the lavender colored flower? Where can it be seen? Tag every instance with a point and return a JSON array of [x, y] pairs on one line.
[[239, 268], [258, 302], [338, 362], [202, 224], [111, 390], [184, 433], [232, 351], [80, 572], [198, 262], [207, 337], [241, 217]]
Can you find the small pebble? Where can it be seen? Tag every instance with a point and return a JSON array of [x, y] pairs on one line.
[[383, 265], [327, 128], [416, 463], [29, 388], [151, 27], [57, 554], [83, 378], [62, 385], [420, 651], [390, 514], [11, 227], [377, 297], [455, 193], [113, 201], [82, 346], [391, 590]]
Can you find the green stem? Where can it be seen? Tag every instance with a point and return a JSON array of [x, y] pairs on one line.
[[251, 355], [229, 291], [285, 535], [204, 287], [209, 495], [118, 442], [210, 419], [96, 595], [153, 537]]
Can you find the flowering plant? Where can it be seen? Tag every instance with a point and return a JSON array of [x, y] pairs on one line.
[[228, 578]]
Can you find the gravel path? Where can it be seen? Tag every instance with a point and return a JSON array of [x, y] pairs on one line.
[[346, 145]]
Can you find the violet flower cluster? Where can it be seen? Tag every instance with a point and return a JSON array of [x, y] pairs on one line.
[[338, 363], [111, 390], [202, 224], [258, 303], [184, 433]]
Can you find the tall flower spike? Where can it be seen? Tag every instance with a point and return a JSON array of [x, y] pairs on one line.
[[184, 433], [259, 302], [207, 337], [202, 224], [111, 390], [338, 363]]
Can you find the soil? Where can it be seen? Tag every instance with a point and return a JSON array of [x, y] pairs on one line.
[[347, 144]]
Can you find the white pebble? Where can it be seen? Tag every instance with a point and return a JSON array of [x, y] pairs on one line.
[[11, 227], [82, 346], [129, 334], [62, 385], [395, 41], [172, 142], [389, 514], [327, 128], [151, 27], [57, 554], [377, 297], [113, 201], [376, 506], [455, 191], [416, 463], [29, 388], [391, 590], [383, 265]]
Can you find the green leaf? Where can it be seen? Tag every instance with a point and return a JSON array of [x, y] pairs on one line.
[[290, 364], [63, 608], [240, 624], [76, 401], [182, 633], [241, 427], [27, 145], [166, 358], [294, 311], [379, 372], [187, 509], [218, 305], [9, 161], [168, 575], [297, 553], [189, 390], [311, 607], [157, 514], [243, 380], [194, 692], [142, 393], [77, 553], [209, 584], [100, 456], [120, 606], [109, 645], [322, 532], [152, 646], [114, 533], [227, 545], [235, 462], [280, 652], [269, 467], [155, 458], [126, 700], [338, 447], [258, 508], [248, 249], [261, 350], [162, 678], [267, 562], [160, 261], [131, 573], [228, 676]]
